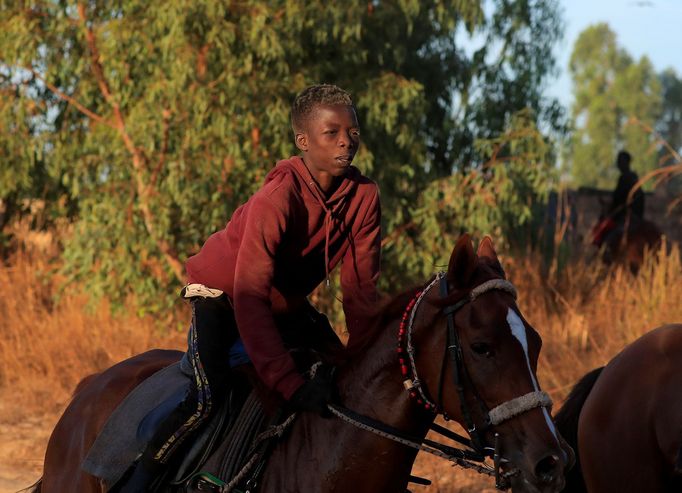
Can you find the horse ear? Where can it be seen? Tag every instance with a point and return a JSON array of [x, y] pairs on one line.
[[487, 253], [462, 262]]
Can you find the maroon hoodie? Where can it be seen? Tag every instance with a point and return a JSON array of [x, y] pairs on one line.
[[280, 245]]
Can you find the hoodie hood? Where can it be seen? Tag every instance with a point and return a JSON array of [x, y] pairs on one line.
[[300, 172]]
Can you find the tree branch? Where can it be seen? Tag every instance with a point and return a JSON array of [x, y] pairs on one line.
[[89, 113], [164, 148], [139, 159]]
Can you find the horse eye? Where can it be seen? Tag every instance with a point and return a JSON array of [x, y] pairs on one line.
[[483, 349]]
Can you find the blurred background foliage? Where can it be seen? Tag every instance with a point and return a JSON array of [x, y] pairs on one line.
[[617, 102], [140, 126]]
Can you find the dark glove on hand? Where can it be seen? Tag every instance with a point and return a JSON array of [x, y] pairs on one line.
[[314, 395]]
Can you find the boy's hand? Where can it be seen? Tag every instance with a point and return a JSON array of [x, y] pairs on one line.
[[314, 395]]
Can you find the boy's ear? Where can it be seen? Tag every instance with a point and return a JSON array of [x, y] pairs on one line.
[[301, 141]]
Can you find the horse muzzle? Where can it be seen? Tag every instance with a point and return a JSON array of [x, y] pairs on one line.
[[545, 476]]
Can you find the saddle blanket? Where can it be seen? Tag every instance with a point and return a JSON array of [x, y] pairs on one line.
[[118, 444]]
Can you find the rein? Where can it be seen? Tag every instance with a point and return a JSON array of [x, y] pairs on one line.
[[464, 458]]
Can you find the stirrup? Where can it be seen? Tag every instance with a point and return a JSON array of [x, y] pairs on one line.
[[205, 481]]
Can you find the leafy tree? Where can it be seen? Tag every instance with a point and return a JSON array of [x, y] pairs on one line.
[[18, 162], [617, 102], [25, 180], [519, 39], [670, 122], [500, 198], [670, 130], [157, 119], [504, 197]]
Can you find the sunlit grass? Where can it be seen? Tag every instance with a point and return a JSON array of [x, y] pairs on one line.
[[49, 344]]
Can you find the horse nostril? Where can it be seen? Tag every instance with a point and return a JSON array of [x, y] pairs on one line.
[[546, 469]]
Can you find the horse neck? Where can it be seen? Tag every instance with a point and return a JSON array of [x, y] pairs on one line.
[[344, 455], [372, 384]]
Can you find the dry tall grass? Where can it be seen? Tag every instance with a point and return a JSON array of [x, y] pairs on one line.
[[50, 343], [585, 314], [588, 313]]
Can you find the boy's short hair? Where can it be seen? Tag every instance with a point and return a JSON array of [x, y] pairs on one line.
[[310, 97]]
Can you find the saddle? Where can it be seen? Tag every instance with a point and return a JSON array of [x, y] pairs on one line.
[[240, 432], [602, 229], [133, 423]]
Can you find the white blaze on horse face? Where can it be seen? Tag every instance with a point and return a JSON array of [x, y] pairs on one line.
[[518, 330]]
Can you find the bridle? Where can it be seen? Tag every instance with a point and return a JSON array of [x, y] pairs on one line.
[[474, 456], [413, 384]]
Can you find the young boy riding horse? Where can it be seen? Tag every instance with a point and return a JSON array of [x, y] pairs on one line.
[[313, 212]]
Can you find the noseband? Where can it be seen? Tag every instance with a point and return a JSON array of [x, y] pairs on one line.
[[414, 385]]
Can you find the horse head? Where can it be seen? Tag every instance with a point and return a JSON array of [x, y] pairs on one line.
[[474, 359]]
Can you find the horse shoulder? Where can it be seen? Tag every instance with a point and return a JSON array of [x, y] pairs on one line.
[[611, 425], [667, 395], [631, 418]]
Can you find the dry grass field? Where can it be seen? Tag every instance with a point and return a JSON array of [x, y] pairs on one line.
[[52, 338]]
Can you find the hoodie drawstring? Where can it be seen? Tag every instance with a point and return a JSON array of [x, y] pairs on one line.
[[336, 202], [329, 215], [327, 232]]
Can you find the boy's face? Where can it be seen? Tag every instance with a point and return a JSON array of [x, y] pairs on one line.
[[329, 141]]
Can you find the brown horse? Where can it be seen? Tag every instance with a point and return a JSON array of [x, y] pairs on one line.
[[626, 249], [463, 323], [625, 420]]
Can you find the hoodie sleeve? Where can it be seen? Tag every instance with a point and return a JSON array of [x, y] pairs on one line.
[[361, 265], [265, 226]]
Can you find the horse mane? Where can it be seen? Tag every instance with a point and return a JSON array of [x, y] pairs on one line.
[[567, 417], [393, 308], [566, 421], [376, 321]]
